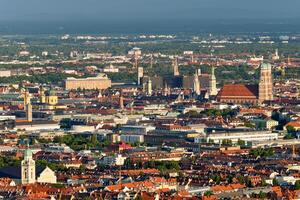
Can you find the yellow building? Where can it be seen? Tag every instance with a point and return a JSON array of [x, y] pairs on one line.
[[99, 82], [51, 98]]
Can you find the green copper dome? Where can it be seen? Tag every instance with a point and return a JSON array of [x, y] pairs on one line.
[[27, 153], [51, 92]]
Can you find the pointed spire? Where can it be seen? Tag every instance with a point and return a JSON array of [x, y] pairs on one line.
[[197, 89], [212, 90]]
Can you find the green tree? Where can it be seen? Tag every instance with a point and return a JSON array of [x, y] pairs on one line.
[[241, 142], [94, 140], [268, 152], [262, 195], [290, 129], [208, 193], [275, 182], [297, 185], [227, 142]]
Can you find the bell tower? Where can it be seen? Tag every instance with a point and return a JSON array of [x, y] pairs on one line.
[[265, 83], [175, 67], [28, 168], [197, 87], [42, 94], [212, 83]]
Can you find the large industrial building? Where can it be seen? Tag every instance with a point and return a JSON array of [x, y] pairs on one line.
[[235, 135]]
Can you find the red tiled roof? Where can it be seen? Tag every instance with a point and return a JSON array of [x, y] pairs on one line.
[[144, 184], [218, 188], [295, 124], [239, 90]]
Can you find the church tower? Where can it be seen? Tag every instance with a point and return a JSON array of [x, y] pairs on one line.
[[121, 101], [140, 74], [265, 83], [26, 98], [42, 94], [175, 67], [29, 112], [197, 88], [28, 168], [149, 87], [212, 90]]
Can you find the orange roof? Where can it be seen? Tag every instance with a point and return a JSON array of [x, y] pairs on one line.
[[221, 188], [144, 184], [140, 171], [212, 197], [294, 124], [239, 90], [277, 191], [255, 110], [184, 193], [163, 190]]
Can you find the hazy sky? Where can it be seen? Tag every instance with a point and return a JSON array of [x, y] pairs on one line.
[[58, 10]]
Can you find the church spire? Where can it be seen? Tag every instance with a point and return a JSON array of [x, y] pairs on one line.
[[197, 88], [212, 90]]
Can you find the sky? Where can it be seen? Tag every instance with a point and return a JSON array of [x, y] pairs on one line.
[[119, 10]]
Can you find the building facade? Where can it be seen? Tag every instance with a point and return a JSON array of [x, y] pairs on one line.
[[252, 94], [99, 82], [265, 83], [28, 168]]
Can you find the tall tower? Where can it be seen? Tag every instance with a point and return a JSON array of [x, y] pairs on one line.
[[149, 87], [197, 88], [265, 83], [212, 90], [28, 168], [275, 56], [26, 96], [42, 95], [29, 112], [166, 91], [140, 74], [175, 67], [121, 101], [151, 61]]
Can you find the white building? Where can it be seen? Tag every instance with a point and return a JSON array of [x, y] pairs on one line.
[[135, 52], [138, 130], [117, 160], [286, 180], [56, 148], [110, 69], [5, 73], [47, 176], [132, 138], [247, 136], [28, 168]]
